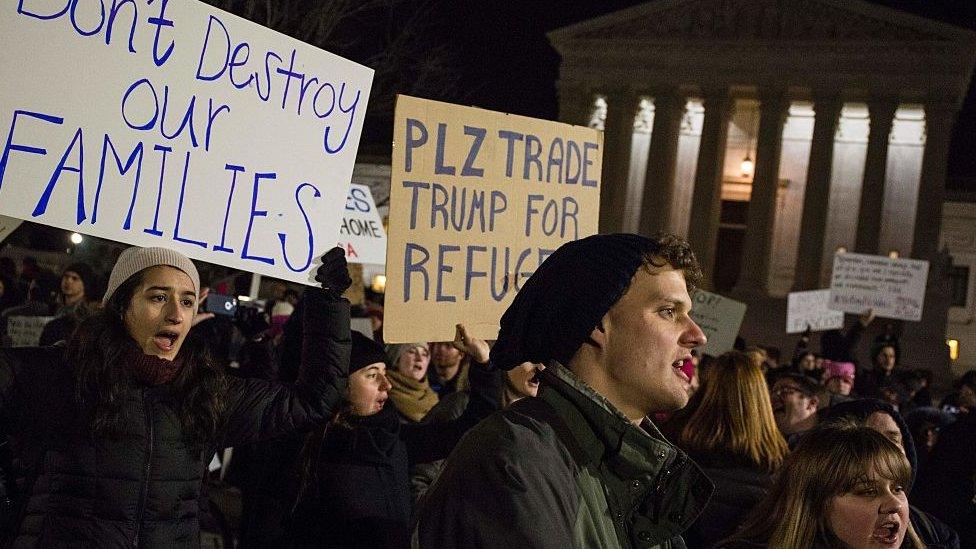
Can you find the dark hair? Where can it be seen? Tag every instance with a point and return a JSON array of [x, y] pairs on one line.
[[676, 252], [805, 385], [97, 351]]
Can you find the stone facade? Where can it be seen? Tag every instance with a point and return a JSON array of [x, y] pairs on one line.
[[843, 108]]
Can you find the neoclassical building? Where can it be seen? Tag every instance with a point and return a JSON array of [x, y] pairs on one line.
[[774, 134]]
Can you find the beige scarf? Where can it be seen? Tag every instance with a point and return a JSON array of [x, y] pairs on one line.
[[413, 399]]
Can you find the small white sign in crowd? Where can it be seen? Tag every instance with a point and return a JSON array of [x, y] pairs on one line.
[[892, 288]]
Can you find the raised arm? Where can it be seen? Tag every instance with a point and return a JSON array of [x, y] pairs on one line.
[[259, 410]]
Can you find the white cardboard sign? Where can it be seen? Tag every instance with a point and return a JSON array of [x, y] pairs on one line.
[[176, 124], [25, 331], [720, 318], [892, 288], [811, 309], [7, 226], [361, 233]]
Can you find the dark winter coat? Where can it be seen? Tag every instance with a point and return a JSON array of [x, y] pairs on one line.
[[361, 497], [739, 486], [945, 487], [564, 470], [142, 488]]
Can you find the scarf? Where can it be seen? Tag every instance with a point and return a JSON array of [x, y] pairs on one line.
[[152, 370], [413, 399]]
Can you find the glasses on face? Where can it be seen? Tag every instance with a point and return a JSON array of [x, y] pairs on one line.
[[781, 392]]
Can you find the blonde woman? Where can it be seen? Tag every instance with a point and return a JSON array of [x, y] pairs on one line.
[[843, 486], [733, 437]]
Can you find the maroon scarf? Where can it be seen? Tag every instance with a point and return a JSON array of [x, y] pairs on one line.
[[152, 370]]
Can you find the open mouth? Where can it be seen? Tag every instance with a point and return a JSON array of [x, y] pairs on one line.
[[684, 368], [887, 532], [165, 340]]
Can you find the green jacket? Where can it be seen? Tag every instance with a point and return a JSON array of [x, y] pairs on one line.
[[564, 470]]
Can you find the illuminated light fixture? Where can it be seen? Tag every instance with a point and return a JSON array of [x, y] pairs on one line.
[[379, 284], [953, 348], [747, 166], [76, 238], [893, 254], [841, 250], [243, 298]]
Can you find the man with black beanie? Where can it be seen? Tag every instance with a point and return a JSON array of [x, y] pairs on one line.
[[582, 465]]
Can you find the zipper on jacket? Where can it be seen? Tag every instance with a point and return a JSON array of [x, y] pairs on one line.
[[144, 489]]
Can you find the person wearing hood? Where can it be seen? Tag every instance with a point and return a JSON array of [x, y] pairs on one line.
[[118, 427], [881, 417], [355, 476], [581, 465]]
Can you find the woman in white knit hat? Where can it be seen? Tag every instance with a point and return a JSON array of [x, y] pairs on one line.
[[117, 427]]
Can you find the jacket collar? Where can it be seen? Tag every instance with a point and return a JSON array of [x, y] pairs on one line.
[[646, 475]]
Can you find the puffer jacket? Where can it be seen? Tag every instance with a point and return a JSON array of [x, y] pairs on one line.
[[564, 470], [142, 487]]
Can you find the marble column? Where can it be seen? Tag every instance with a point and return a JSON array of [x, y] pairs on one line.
[[871, 209], [813, 220], [618, 136], [754, 273], [939, 119], [706, 198], [655, 215]]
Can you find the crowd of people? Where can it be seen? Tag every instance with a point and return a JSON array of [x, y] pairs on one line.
[[592, 421]]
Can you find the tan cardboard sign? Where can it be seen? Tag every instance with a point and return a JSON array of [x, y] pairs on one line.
[[478, 200]]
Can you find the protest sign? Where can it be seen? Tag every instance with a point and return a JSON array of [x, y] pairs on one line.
[[478, 200], [176, 124], [7, 226], [719, 317], [25, 331], [811, 309], [892, 288], [361, 233]]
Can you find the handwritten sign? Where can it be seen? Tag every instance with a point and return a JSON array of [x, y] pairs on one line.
[[7, 226], [25, 331], [478, 200], [720, 318], [175, 124], [811, 309], [893, 288], [361, 233]]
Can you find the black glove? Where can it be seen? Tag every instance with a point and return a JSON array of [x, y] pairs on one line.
[[333, 274]]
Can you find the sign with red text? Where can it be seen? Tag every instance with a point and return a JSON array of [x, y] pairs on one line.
[[892, 288], [478, 200], [176, 124], [361, 233]]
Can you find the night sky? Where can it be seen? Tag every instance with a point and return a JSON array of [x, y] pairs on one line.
[[508, 65]]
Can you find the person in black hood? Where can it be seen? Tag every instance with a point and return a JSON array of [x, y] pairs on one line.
[[881, 417], [355, 489]]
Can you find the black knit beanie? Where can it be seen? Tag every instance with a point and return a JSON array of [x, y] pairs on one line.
[[87, 276], [365, 351], [559, 305]]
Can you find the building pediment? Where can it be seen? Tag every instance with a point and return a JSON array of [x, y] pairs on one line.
[[690, 21]]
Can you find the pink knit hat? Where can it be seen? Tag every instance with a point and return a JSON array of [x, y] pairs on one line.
[[838, 369]]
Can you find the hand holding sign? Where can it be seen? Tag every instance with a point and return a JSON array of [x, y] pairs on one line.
[[333, 273]]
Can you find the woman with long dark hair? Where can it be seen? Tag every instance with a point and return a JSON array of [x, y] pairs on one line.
[[117, 428]]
